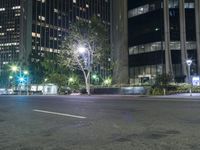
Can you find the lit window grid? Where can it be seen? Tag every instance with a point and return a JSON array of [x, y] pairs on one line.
[[9, 32], [52, 30]]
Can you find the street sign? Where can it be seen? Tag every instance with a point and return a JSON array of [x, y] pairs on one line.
[[196, 81]]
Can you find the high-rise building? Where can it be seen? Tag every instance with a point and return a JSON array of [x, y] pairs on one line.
[[31, 28], [13, 27], [163, 34]]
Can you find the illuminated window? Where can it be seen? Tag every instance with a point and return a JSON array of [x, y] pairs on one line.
[[5, 62], [35, 34], [189, 5], [16, 7], [55, 10], [141, 10], [18, 14], [9, 44], [43, 1], [41, 18], [2, 9], [10, 29]]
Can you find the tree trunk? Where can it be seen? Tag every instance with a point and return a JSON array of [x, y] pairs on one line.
[[87, 86], [87, 83]]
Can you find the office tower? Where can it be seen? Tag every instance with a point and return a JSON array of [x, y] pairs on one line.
[[163, 34], [29, 29]]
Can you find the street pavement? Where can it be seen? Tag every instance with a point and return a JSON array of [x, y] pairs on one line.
[[99, 123]]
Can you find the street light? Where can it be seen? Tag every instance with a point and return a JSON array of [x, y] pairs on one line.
[[107, 82], [10, 77], [189, 63], [71, 80], [94, 76], [14, 68], [26, 72], [81, 49], [21, 77]]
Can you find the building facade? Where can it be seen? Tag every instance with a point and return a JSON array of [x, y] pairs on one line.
[[13, 27], [30, 29], [163, 34], [50, 21]]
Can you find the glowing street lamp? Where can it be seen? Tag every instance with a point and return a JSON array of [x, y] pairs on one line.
[[71, 80], [10, 77], [107, 82], [14, 68], [26, 72], [81, 49], [21, 79], [94, 76], [189, 62]]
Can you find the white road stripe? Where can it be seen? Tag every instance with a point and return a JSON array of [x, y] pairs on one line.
[[60, 114]]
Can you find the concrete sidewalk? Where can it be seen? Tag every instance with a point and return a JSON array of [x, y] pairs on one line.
[[183, 95]]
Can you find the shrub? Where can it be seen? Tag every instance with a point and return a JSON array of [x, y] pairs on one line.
[[156, 91]]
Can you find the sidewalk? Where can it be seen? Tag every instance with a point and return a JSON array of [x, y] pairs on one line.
[[182, 96]]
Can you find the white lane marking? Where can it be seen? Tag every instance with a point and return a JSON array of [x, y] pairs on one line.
[[60, 114]]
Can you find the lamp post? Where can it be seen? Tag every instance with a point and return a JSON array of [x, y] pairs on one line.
[[189, 63], [26, 73], [95, 78], [89, 62], [10, 77], [14, 69], [21, 77], [10, 81]]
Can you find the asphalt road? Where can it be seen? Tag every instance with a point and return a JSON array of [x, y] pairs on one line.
[[99, 123]]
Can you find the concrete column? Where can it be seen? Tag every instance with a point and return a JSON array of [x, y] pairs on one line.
[[119, 41], [197, 17], [183, 36], [168, 59]]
